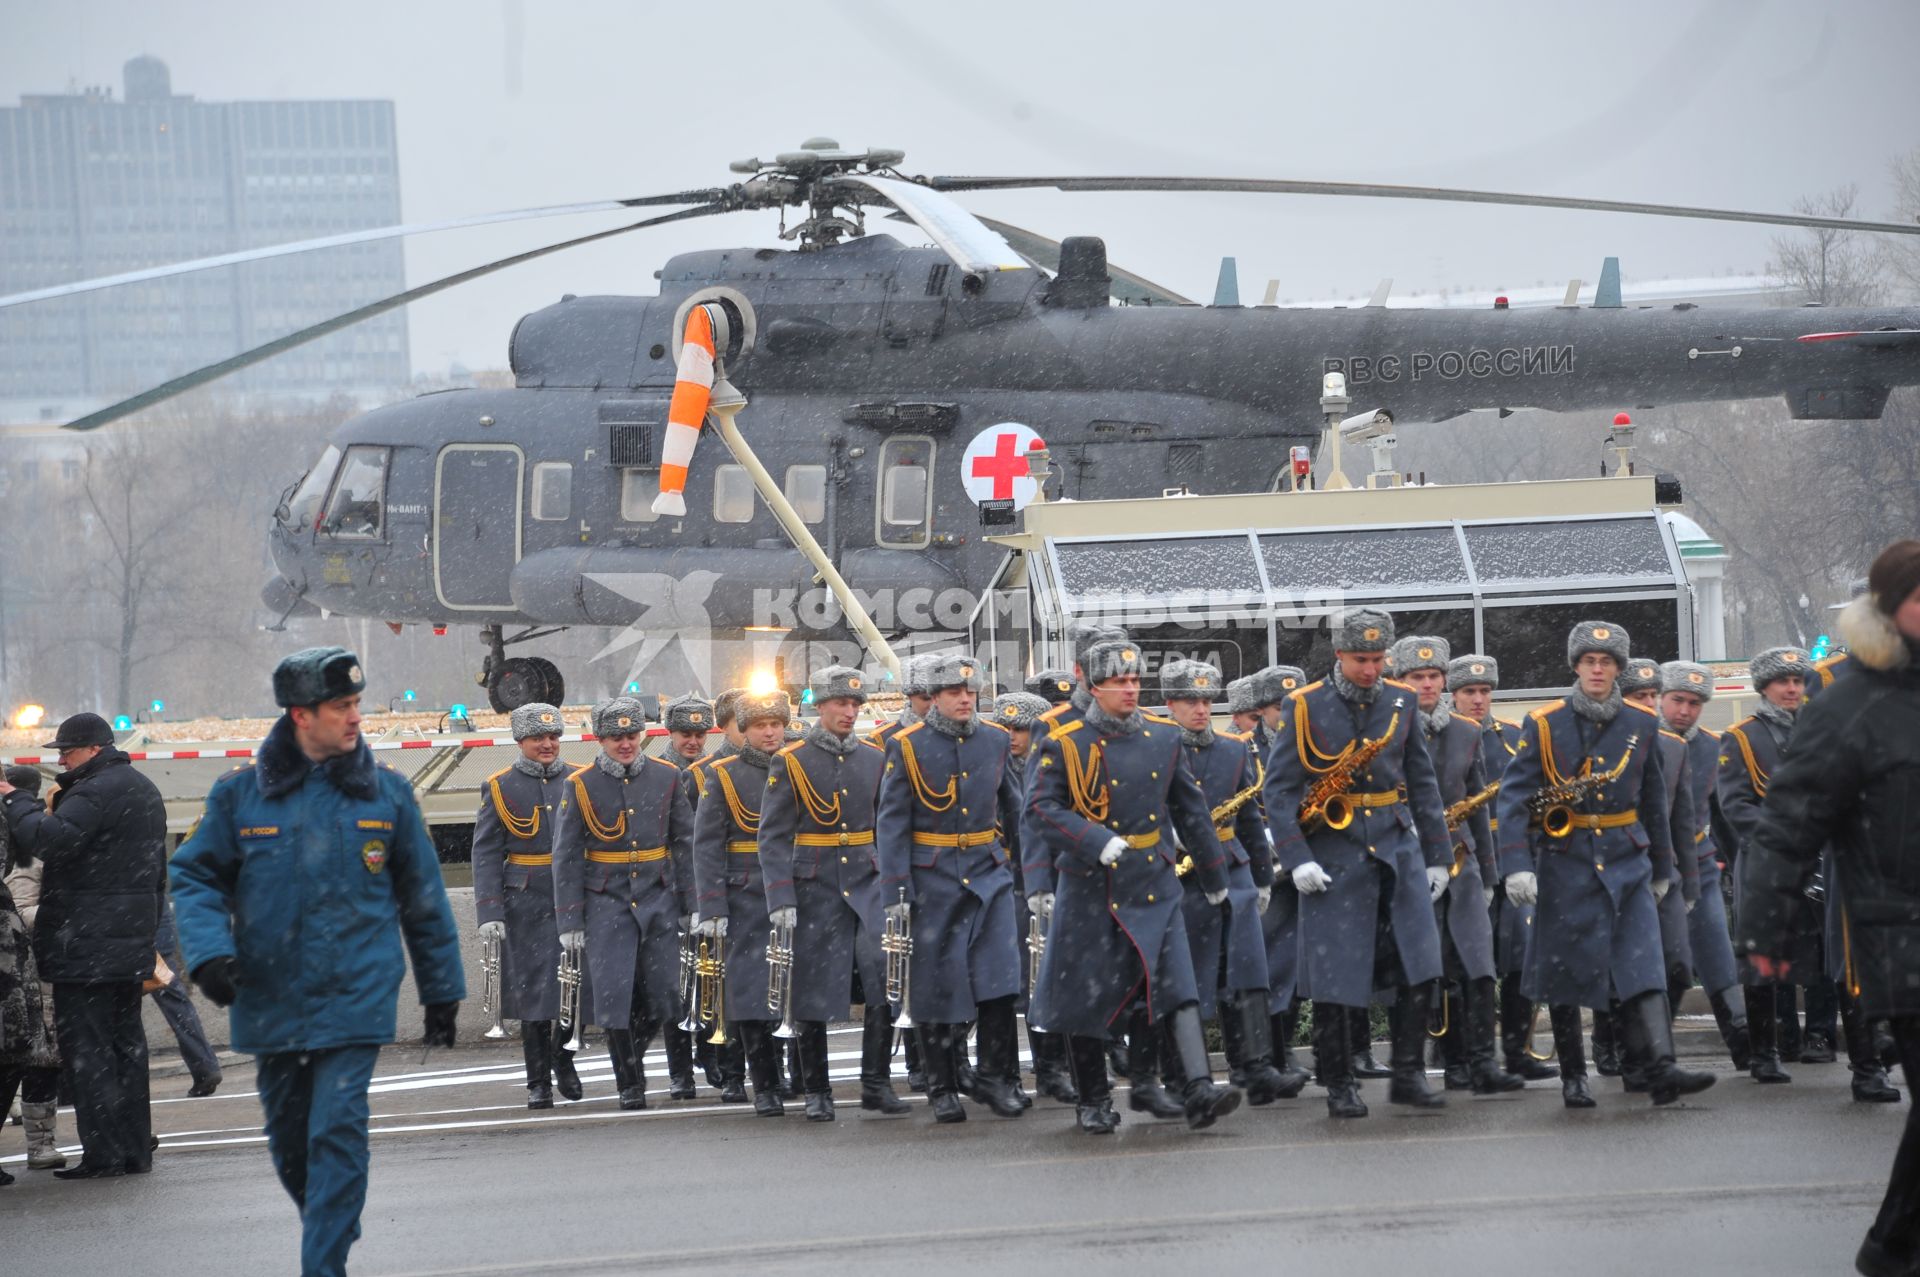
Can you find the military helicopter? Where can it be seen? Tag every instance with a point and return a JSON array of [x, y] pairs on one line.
[[895, 390]]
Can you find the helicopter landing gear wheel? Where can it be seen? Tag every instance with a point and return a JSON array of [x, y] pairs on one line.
[[518, 681], [556, 685]]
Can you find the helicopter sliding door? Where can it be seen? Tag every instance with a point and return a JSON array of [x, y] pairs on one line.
[[476, 524]]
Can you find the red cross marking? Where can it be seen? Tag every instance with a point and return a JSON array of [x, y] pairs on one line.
[[1003, 466]]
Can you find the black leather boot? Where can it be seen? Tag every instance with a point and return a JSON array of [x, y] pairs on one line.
[[731, 1061], [763, 1065], [627, 1077], [566, 1079], [1051, 1075], [1483, 1070], [1361, 1028], [1281, 1029], [876, 1063], [1116, 1049], [1333, 1059], [1648, 1038], [1144, 1092], [937, 1052], [1606, 1043], [1204, 1101], [1516, 1033], [1571, 1048], [679, 1047], [1730, 1015], [998, 1056], [1763, 1027], [1407, 1050], [1786, 1022], [963, 1070], [1456, 1054], [812, 1049], [1870, 1084], [916, 1065], [1263, 1082], [1823, 1022], [536, 1045], [1093, 1110]]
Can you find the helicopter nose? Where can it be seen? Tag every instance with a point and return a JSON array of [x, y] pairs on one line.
[[284, 599]]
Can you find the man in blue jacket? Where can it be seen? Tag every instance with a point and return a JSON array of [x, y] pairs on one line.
[[293, 895]]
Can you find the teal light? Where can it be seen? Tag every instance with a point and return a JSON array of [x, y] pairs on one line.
[[633, 689], [158, 707], [121, 723], [407, 695], [806, 697], [456, 711]]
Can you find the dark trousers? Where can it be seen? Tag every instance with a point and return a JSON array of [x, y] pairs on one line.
[[185, 1023], [1898, 1225], [316, 1107], [36, 1086], [105, 1051]]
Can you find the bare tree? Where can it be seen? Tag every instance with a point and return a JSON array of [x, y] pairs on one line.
[[1832, 267]]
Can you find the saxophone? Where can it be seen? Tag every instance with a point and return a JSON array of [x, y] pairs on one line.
[[1457, 816], [1326, 803], [1220, 816], [1552, 805]]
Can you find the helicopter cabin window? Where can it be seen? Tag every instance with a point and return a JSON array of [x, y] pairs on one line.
[[806, 489], [303, 508], [906, 493], [354, 513], [552, 490], [638, 488], [732, 494]]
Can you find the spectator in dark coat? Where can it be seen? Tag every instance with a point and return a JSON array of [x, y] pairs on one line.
[[1850, 780], [103, 842]]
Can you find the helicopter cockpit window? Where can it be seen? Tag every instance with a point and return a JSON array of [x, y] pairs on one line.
[[732, 495], [552, 490], [304, 505], [906, 494], [355, 511], [806, 489]]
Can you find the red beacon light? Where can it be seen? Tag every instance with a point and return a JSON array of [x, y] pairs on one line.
[[1622, 419], [1500, 302], [439, 631]]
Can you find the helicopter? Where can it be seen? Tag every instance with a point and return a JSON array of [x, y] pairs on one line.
[[896, 390]]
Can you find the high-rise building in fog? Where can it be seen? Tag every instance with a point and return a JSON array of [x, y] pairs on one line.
[[94, 185]]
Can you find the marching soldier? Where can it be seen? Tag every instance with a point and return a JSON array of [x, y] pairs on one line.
[[1685, 690], [1595, 859], [688, 721], [730, 888], [727, 721], [822, 876], [1228, 944], [913, 686], [1453, 742], [1020, 714], [1055, 687], [1243, 708], [1111, 789], [513, 895], [622, 877], [1471, 681], [1640, 685], [948, 790], [1368, 867]]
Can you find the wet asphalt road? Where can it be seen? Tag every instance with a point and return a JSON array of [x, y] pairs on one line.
[[1744, 1180]]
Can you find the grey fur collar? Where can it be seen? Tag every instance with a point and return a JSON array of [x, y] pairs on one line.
[[1202, 739], [759, 759], [1436, 721], [617, 770], [1687, 735], [1349, 692], [1772, 715], [907, 716], [950, 727], [1080, 698], [1107, 725], [840, 746], [1600, 713], [540, 771]]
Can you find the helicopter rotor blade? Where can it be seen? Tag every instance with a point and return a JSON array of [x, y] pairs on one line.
[[1374, 190], [246, 358], [1127, 286], [349, 237]]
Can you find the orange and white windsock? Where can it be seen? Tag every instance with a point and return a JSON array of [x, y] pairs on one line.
[[692, 389]]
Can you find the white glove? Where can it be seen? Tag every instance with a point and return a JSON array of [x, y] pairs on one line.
[[1661, 887], [688, 921], [1112, 851], [1523, 888], [714, 928], [1691, 904], [493, 931], [1040, 905], [1437, 880], [901, 911], [1311, 879], [785, 916], [1217, 897], [1487, 892], [1264, 897], [573, 941]]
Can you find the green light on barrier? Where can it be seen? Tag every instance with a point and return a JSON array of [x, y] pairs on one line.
[[121, 723], [407, 695], [1821, 646], [456, 711], [806, 697], [158, 707], [633, 689]]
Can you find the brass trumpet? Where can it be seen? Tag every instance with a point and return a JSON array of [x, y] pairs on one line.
[[689, 984], [1036, 950], [490, 984], [1533, 1027], [570, 992], [711, 971], [896, 941], [780, 981]]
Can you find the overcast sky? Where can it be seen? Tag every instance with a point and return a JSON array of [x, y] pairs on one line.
[[510, 103]]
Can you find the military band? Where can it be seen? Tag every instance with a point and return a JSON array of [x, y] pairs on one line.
[[623, 887]]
